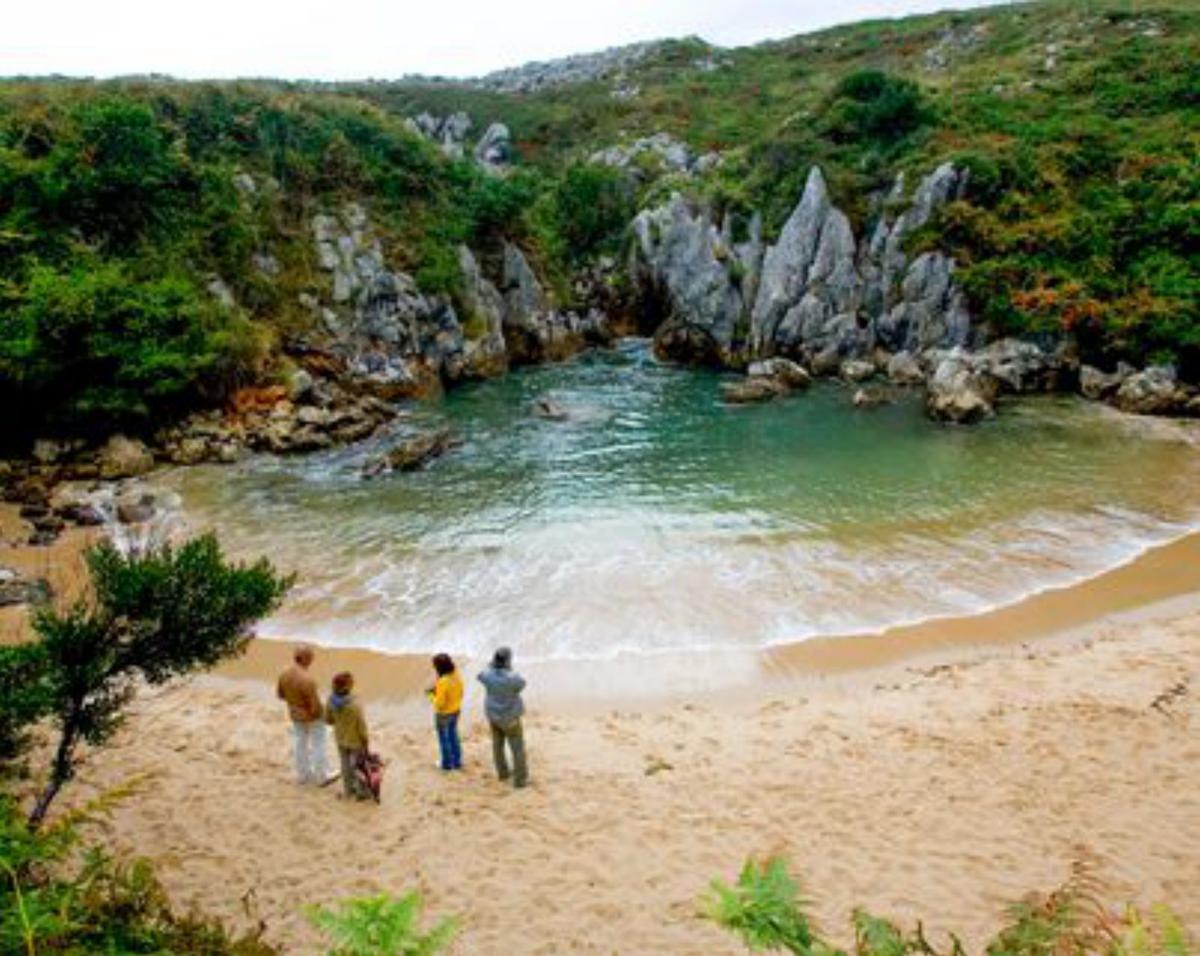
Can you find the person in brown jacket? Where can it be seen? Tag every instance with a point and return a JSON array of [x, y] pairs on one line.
[[298, 690], [345, 713]]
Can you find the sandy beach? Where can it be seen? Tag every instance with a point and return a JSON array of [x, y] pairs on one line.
[[939, 787]]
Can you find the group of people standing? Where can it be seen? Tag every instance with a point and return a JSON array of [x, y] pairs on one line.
[[343, 712]]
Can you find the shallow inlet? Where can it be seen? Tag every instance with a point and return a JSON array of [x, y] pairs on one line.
[[658, 521]]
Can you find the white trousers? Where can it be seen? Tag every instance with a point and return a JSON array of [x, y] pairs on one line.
[[308, 741]]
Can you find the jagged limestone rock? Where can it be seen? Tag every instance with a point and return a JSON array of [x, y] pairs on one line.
[[685, 262], [807, 277], [494, 150], [814, 294]]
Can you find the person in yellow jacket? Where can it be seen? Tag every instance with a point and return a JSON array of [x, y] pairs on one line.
[[345, 713], [446, 695]]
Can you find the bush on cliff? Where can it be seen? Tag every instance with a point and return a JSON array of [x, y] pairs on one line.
[[874, 109], [94, 347]]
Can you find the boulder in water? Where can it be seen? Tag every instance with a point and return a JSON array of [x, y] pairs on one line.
[[959, 394], [412, 453], [750, 391], [871, 398], [903, 369], [1153, 391], [550, 410], [766, 379], [136, 510], [789, 373]]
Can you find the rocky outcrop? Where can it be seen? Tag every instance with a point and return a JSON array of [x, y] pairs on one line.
[[958, 392], [662, 149], [534, 329], [766, 380], [1156, 391], [581, 68], [692, 268], [1021, 367], [916, 305], [904, 369], [412, 453], [123, 457], [857, 370], [492, 152], [273, 420], [814, 295], [1098, 385], [398, 342], [484, 353], [808, 292], [392, 338], [838, 306], [449, 132]]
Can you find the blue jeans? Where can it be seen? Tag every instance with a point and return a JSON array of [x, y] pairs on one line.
[[448, 742]]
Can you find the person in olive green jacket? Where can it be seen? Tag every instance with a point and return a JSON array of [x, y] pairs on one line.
[[350, 731]]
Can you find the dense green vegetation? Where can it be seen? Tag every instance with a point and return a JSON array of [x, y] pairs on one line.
[[120, 203], [765, 909]]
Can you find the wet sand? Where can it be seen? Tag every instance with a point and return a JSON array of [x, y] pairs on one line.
[[1161, 573]]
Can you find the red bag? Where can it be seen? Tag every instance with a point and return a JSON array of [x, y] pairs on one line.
[[369, 768]]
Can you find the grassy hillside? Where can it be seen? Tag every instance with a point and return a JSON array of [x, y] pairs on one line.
[[120, 202], [1080, 120]]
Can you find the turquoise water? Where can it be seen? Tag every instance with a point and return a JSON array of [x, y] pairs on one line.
[[658, 519]]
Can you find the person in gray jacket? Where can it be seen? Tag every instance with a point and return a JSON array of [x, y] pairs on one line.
[[504, 708]]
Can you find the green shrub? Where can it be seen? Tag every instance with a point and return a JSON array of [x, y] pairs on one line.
[[873, 108], [590, 208], [115, 172], [94, 345], [57, 896], [764, 908], [381, 926]]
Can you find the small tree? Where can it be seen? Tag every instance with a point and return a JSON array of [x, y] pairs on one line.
[[153, 617]]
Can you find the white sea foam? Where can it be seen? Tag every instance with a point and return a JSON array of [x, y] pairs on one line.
[[663, 522]]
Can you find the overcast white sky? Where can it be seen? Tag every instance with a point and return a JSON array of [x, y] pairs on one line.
[[349, 39]]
